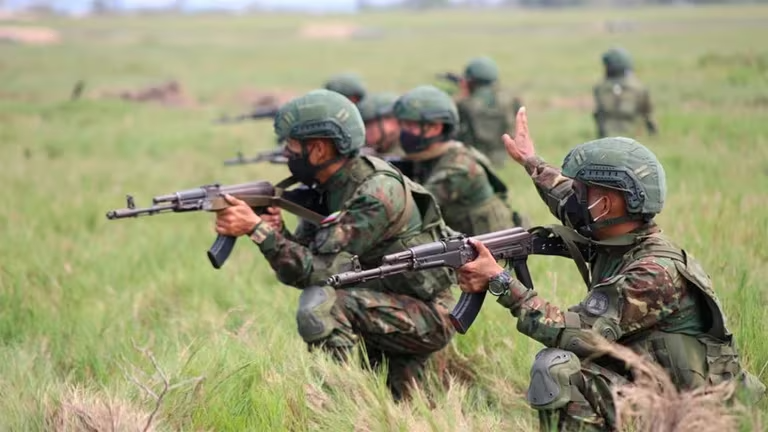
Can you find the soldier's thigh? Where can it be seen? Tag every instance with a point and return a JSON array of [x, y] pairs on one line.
[[393, 323]]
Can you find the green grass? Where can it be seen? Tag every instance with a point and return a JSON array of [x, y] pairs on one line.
[[76, 290]]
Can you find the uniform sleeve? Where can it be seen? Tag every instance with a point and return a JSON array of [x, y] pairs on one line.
[[362, 223], [554, 189], [635, 300], [646, 110]]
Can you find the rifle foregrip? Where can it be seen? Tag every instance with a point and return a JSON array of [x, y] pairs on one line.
[[466, 310], [220, 250]]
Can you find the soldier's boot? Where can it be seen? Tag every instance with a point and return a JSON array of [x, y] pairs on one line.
[[405, 371]]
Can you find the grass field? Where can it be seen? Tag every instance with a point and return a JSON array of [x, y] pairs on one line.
[[78, 291]]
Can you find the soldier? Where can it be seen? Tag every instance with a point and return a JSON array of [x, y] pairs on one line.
[[621, 100], [374, 210], [382, 132], [348, 84], [485, 110], [470, 195], [643, 291]]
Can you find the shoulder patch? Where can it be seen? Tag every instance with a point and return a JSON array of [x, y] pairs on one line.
[[596, 303], [331, 218]]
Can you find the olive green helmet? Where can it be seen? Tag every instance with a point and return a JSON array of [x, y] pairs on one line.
[[622, 164], [378, 105], [617, 60], [322, 114], [428, 104], [481, 69], [348, 84]]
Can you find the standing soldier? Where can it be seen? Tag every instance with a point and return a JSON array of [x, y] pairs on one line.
[[374, 211], [348, 84], [470, 195], [644, 292], [486, 111], [621, 100], [382, 132]]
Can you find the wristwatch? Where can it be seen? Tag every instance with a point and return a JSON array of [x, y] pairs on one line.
[[499, 284]]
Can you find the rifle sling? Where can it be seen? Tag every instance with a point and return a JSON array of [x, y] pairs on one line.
[[272, 201], [570, 238]]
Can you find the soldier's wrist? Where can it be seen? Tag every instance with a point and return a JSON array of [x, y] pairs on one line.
[[262, 234], [531, 163], [515, 296]]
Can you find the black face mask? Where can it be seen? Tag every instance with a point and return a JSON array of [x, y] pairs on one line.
[[302, 169], [416, 143]]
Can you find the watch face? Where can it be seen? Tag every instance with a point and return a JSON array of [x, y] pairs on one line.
[[499, 284]]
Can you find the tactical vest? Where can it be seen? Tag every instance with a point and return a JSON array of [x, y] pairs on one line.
[[618, 105], [493, 214], [691, 361], [487, 113], [708, 358], [425, 285]]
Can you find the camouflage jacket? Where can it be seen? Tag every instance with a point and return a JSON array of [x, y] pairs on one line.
[[622, 105], [486, 115], [372, 213], [469, 201], [648, 294]]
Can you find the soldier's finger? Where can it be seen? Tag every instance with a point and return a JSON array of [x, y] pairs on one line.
[[521, 123], [273, 210], [231, 200], [482, 250]]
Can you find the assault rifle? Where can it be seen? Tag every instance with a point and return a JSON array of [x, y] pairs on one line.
[[258, 113], [451, 77], [275, 156], [301, 201], [513, 245]]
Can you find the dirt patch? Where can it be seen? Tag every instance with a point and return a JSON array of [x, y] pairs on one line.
[[29, 35], [337, 31], [170, 94]]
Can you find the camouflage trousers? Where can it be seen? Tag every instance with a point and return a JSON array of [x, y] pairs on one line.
[[591, 407], [396, 329]]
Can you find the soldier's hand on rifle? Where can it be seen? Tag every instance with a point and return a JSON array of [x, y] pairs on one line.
[[520, 147], [274, 218], [237, 220], [474, 275]]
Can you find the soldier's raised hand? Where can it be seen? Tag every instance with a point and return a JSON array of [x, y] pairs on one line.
[[520, 147]]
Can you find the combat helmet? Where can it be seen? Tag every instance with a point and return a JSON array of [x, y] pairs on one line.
[[428, 104], [378, 105], [481, 70], [622, 164], [617, 61], [348, 84], [322, 114]]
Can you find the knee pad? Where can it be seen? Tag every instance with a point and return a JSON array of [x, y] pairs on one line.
[[550, 387], [314, 318]]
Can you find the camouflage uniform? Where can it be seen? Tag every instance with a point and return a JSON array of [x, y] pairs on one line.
[[471, 197], [621, 100], [373, 109], [374, 210], [488, 112], [644, 292]]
